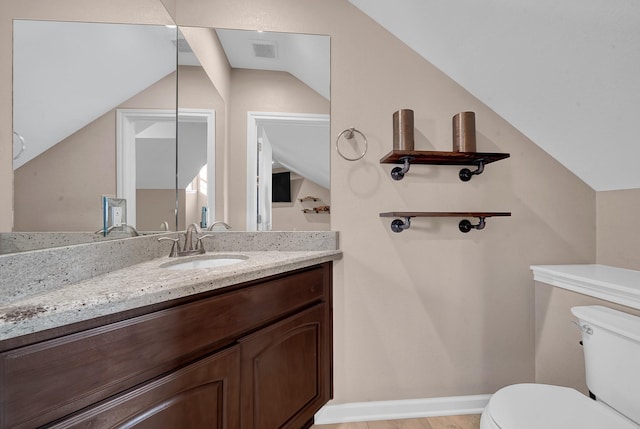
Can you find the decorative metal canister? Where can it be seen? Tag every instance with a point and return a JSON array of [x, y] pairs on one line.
[[464, 132], [403, 130]]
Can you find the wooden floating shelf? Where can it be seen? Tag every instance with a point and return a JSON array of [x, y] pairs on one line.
[[317, 210], [408, 157], [398, 225], [441, 158]]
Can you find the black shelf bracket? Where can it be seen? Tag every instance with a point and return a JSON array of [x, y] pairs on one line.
[[398, 172], [398, 225], [466, 226], [466, 174]]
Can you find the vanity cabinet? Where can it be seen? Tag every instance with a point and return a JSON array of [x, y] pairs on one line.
[[255, 355]]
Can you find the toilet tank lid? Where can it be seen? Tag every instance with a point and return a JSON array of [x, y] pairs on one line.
[[616, 321]]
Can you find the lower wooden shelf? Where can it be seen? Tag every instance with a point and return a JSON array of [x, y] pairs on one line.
[[399, 225], [320, 209]]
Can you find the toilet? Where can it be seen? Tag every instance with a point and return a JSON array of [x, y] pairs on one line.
[[611, 342]]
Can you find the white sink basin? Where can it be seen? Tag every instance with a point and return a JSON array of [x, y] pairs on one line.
[[204, 262]]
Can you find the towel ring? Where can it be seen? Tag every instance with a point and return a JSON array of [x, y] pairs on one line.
[[349, 134], [22, 145]]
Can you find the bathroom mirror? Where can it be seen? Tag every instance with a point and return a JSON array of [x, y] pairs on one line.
[[83, 168], [70, 80], [276, 91]]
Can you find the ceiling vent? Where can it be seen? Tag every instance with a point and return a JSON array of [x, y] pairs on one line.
[[262, 49]]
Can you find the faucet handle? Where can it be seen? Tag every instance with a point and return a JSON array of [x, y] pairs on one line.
[[175, 247], [199, 245]]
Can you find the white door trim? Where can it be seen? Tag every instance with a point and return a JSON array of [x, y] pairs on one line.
[[126, 150], [254, 120]]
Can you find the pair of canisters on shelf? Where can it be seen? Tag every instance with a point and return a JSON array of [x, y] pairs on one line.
[[464, 131]]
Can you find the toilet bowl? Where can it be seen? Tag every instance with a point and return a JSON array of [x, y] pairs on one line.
[[611, 342], [542, 406]]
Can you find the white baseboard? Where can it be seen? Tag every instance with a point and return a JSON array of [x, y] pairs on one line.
[[402, 409]]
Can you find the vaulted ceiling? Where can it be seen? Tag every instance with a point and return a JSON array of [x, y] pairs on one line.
[[564, 73]]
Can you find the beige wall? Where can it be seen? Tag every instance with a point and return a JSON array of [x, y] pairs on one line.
[[559, 357], [61, 189], [153, 207], [290, 216], [260, 91], [617, 228], [429, 312]]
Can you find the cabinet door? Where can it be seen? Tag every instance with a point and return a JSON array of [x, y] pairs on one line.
[[204, 394], [286, 371]]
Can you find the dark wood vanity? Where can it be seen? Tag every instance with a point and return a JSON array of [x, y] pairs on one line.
[[254, 355]]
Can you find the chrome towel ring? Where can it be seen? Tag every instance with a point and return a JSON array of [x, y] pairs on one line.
[[349, 134], [22, 145]]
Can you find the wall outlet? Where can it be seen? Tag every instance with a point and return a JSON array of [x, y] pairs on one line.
[[116, 215], [114, 212]]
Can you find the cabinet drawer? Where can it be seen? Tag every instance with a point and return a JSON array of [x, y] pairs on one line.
[[204, 394], [49, 380]]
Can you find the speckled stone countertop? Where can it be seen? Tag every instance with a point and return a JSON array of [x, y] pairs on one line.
[[148, 282]]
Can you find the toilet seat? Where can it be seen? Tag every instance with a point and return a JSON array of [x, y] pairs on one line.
[[536, 406]]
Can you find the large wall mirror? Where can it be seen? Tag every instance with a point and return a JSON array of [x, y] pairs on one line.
[[274, 105], [70, 82], [98, 108]]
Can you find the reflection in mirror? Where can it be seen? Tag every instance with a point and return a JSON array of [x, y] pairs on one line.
[[199, 103], [70, 79], [273, 95]]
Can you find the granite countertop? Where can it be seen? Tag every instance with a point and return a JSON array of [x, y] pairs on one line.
[[142, 284]]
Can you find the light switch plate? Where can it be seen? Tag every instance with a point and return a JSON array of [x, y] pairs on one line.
[[114, 213]]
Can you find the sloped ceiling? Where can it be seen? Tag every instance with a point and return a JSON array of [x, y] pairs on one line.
[[305, 56], [67, 74], [566, 74], [302, 148]]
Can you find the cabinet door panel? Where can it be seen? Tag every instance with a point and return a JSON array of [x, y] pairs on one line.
[[284, 372], [203, 395]]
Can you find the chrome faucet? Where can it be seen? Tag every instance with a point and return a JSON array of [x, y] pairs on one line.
[[219, 222], [188, 248], [188, 237]]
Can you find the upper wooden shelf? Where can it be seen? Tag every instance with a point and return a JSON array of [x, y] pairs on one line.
[[441, 158], [408, 157]]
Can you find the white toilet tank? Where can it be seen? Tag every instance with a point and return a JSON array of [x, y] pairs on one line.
[[611, 341]]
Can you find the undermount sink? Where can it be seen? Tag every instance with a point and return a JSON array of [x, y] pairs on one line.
[[203, 262]]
